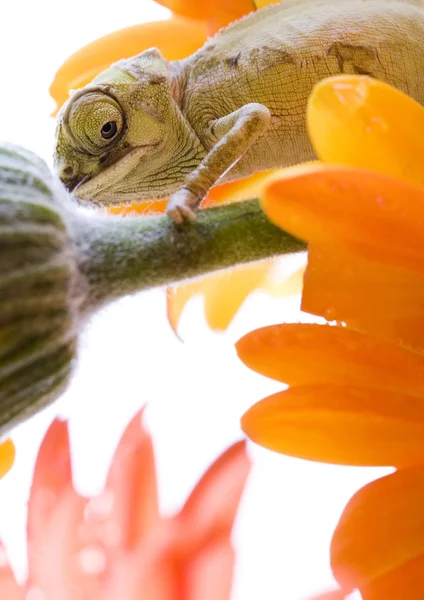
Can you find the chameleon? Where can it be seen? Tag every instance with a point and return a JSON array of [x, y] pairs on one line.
[[147, 128]]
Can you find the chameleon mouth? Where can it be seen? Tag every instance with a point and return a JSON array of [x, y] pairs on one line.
[[90, 187], [74, 183]]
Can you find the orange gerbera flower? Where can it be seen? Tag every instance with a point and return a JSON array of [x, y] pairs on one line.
[[116, 545], [356, 394]]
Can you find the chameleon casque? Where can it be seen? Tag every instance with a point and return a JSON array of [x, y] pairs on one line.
[[148, 128]]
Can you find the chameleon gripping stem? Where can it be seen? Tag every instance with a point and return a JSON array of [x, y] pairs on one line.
[[120, 256]]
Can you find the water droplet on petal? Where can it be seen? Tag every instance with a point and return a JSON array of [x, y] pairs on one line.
[[92, 560]]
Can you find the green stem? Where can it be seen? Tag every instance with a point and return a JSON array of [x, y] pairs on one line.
[[120, 256]]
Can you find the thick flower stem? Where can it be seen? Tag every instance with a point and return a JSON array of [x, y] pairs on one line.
[[120, 256]]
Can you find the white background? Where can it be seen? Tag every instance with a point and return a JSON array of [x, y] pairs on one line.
[[196, 391]]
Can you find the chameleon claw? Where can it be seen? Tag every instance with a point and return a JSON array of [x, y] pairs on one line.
[[181, 206]]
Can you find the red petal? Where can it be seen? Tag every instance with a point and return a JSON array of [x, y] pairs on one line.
[[334, 595], [153, 571], [131, 485], [211, 507], [209, 576], [52, 475], [189, 557], [67, 563], [9, 589]]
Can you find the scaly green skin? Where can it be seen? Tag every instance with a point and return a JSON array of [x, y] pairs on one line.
[[234, 107]]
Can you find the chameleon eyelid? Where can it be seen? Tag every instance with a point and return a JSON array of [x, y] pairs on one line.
[[76, 96]]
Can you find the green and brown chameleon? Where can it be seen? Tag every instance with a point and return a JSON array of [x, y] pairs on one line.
[[147, 128]]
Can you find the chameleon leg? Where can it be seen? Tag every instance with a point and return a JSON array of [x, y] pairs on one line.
[[234, 134]]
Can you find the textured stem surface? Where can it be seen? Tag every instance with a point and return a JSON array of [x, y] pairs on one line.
[[120, 256]]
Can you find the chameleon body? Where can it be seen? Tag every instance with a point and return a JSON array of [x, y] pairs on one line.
[[147, 128]]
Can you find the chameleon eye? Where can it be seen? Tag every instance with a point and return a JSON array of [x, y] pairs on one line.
[[109, 130], [95, 121]]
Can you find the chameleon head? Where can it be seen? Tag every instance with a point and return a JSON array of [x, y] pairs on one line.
[[117, 138]]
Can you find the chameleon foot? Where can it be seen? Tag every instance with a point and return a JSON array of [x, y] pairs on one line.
[[182, 206]]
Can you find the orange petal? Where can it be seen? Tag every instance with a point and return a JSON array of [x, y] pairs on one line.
[[211, 507], [9, 589], [52, 475], [381, 529], [176, 38], [237, 191], [403, 583], [209, 575], [262, 3], [231, 288], [224, 293], [288, 286], [384, 301], [299, 354], [148, 208], [7, 457], [363, 122], [132, 484], [377, 216], [178, 296], [354, 282], [219, 12], [340, 424], [247, 188], [234, 191]]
